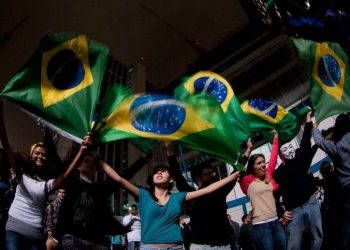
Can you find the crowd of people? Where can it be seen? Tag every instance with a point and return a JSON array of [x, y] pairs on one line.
[[291, 209]]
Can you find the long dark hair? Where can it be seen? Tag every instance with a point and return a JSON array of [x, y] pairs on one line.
[[150, 179], [341, 127], [251, 162]]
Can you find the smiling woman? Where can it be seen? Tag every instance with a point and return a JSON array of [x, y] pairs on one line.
[[259, 185], [38, 154], [24, 227]]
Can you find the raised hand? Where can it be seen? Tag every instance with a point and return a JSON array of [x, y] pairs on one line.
[[87, 141], [274, 132], [250, 143], [169, 148], [309, 114]]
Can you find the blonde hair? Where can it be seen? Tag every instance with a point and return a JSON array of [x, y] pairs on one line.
[[35, 145]]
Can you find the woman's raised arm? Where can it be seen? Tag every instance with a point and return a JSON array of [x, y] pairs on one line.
[[84, 146], [116, 177], [212, 187]]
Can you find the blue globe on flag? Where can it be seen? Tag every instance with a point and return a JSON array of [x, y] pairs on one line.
[[211, 86], [268, 108], [158, 114], [329, 71], [65, 70]]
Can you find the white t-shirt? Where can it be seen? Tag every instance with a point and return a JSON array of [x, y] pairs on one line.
[[29, 202], [135, 233]]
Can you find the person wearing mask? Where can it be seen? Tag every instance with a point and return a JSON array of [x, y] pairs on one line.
[[297, 187]]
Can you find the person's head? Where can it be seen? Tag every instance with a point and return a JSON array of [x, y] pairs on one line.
[[37, 156], [287, 151], [161, 177], [61, 193], [12, 175], [342, 126], [133, 210], [87, 165], [257, 166], [247, 218], [228, 217], [203, 174], [326, 169]]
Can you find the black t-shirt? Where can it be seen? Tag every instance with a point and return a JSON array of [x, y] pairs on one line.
[[208, 214], [296, 184], [85, 213], [209, 223]]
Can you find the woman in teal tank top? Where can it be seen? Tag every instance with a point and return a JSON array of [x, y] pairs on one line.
[[159, 209]]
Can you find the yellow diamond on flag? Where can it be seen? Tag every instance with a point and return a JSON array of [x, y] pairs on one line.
[[329, 71], [65, 70]]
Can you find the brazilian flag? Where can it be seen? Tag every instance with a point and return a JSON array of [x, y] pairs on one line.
[[198, 124], [61, 82], [327, 66], [206, 82], [264, 116]]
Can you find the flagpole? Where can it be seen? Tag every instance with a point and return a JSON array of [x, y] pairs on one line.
[[49, 125]]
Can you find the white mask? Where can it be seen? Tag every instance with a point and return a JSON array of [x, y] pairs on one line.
[[287, 151]]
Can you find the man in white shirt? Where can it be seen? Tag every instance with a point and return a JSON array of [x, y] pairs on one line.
[[132, 222]]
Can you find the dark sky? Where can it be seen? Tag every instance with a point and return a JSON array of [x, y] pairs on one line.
[[159, 34], [22, 129]]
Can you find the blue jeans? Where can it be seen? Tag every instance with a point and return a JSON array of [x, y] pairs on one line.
[[268, 236], [16, 241], [147, 247], [70, 242], [306, 216]]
